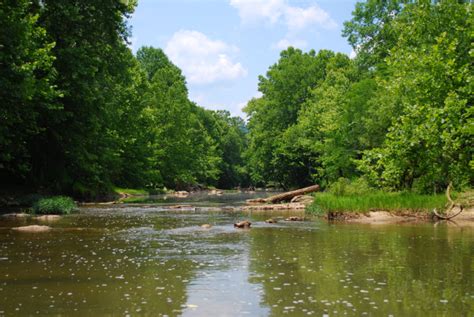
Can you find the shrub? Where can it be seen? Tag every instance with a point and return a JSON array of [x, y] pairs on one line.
[[58, 205]]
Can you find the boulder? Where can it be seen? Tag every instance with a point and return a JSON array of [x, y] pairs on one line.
[[271, 220]]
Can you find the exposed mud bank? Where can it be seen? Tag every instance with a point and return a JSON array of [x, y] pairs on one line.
[[465, 218]]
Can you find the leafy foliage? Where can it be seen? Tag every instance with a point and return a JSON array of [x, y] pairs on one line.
[[399, 114]]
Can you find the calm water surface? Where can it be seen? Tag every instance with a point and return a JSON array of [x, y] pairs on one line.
[[147, 260]]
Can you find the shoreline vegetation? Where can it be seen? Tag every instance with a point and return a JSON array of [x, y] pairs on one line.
[[345, 202]]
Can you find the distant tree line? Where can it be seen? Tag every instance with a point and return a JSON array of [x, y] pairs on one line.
[[80, 113], [399, 114]]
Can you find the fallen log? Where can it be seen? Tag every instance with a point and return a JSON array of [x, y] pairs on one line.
[[287, 196]]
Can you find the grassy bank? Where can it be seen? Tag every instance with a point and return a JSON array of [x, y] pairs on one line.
[[377, 201], [131, 191]]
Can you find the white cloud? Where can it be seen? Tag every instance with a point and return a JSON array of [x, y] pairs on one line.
[[299, 18], [251, 11], [283, 44], [203, 60], [273, 11]]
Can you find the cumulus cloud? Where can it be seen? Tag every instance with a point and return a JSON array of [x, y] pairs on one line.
[[273, 11], [202, 59], [283, 44]]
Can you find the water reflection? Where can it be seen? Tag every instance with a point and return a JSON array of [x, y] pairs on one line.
[[152, 261], [349, 269]]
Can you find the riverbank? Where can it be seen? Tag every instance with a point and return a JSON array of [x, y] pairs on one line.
[[382, 208]]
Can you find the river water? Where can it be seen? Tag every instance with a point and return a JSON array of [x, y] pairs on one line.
[[153, 261]]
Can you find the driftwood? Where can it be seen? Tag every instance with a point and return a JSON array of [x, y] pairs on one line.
[[450, 207], [284, 196]]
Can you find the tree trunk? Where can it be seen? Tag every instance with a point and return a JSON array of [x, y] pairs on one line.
[[287, 196]]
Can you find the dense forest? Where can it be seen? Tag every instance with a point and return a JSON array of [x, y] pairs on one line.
[[399, 115], [79, 113]]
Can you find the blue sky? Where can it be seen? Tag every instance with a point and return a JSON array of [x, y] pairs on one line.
[[222, 46]]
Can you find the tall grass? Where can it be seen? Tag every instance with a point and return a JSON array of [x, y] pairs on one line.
[[377, 200]]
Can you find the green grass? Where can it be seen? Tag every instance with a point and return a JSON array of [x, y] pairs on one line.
[[131, 191], [57, 205], [377, 200]]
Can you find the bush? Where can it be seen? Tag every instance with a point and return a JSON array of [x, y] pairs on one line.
[[58, 205]]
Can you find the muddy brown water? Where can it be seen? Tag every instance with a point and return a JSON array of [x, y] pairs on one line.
[[148, 260]]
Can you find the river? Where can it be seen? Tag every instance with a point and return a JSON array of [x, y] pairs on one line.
[[130, 260]]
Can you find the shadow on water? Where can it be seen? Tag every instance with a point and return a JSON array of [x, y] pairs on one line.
[[136, 260]]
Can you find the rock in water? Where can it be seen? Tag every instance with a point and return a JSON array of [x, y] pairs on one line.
[[48, 217], [270, 220], [294, 218], [243, 224], [32, 228], [206, 226]]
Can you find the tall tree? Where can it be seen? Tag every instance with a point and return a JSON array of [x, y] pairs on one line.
[[285, 89], [430, 143], [90, 38], [370, 31], [27, 90]]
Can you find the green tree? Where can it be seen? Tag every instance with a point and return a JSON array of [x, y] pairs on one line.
[[90, 38], [183, 151], [285, 89], [430, 143], [27, 89], [370, 31]]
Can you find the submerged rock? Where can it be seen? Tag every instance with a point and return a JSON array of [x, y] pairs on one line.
[[217, 192], [295, 218], [19, 215], [32, 228], [243, 224], [48, 217]]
